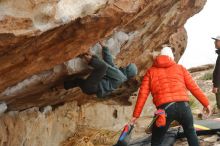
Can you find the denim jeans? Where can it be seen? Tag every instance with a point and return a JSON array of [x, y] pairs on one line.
[[180, 112]]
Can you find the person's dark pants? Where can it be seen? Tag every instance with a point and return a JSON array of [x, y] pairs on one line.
[[217, 95], [90, 85], [180, 112]]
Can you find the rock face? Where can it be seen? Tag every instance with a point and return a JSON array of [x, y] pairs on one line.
[[39, 37], [40, 41], [95, 121]]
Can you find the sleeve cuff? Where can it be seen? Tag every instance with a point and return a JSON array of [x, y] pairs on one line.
[[206, 104]]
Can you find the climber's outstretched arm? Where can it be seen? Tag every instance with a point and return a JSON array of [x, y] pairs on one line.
[[107, 57]]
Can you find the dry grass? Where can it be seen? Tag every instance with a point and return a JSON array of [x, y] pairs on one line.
[[92, 137], [207, 76]]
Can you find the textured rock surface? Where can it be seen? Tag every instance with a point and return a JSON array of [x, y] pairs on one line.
[[37, 37], [95, 121], [39, 44]]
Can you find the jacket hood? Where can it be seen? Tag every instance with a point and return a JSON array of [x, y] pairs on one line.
[[129, 71], [163, 61]]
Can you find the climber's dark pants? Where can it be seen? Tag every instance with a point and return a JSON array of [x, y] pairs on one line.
[[90, 85], [217, 95], [180, 112]]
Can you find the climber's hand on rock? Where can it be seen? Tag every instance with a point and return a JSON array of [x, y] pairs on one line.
[[86, 56], [101, 44]]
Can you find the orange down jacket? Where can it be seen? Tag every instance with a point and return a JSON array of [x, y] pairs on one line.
[[167, 82]]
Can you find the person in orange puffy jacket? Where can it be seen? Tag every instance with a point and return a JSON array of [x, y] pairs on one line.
[[168, 83]]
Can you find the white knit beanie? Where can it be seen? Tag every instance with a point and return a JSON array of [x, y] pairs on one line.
[[168, 52]]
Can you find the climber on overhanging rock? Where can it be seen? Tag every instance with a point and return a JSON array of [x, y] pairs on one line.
[[105, 77], [168, 83]]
